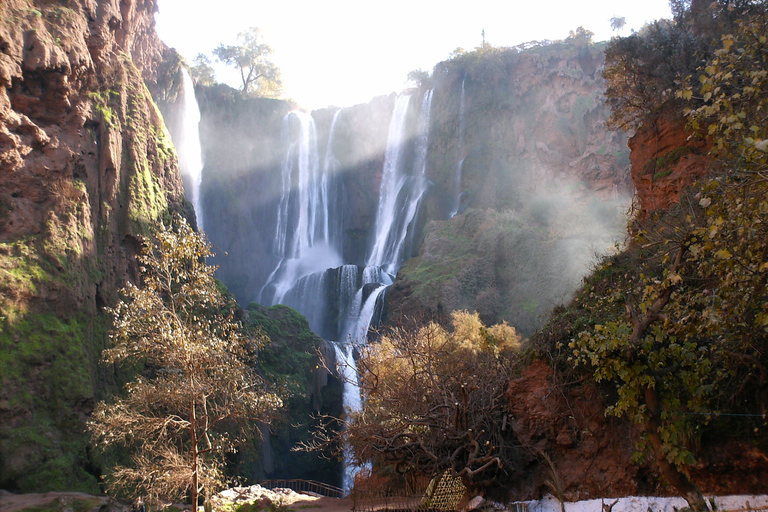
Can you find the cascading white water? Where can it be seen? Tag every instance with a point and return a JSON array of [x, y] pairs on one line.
[[404, 225], [302, 231], [392, 182], [187, 142], [345, 362], [330, 168], [308, 244], [460, 163]]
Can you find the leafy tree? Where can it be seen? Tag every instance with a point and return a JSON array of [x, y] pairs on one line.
[[251, 57], [435, 400], [693, 344], [198, 396], [580, 37], [645, 70], [618, 22], [202, 71], [418, 77], [734, 92]]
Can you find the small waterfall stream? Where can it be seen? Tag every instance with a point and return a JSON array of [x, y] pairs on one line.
[[462, 156], [307, 243], [187, 142]]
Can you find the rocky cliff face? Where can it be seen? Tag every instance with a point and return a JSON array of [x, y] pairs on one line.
[[516, 136], [86, 167], [519, 153], [665, 159]]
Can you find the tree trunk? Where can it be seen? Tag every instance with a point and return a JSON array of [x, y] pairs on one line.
[[669, 471], [195, 455]]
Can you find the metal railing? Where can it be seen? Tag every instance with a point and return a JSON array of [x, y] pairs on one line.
[[305, 486]]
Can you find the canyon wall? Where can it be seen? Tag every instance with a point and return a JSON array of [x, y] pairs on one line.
[[524, 184], [86, 169]]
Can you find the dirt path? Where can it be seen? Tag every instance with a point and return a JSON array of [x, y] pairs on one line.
[[321, 505], [65, 501]]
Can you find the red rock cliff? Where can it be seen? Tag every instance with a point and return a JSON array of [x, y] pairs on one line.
[[665, 158]]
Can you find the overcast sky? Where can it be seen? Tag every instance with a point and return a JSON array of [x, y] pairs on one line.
[[343, 52]]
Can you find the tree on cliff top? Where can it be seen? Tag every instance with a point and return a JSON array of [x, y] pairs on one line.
[[197, 396], [261, 77]]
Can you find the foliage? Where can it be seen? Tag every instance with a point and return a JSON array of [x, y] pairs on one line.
[[201, 71], [645, 69], [580, 37], [251, 57], [689, 348], [435, 400], [419, 78], [734, 91], [198, 396]]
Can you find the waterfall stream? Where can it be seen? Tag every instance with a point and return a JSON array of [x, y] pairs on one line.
[[460, 162], [187, 142], [310, 275]]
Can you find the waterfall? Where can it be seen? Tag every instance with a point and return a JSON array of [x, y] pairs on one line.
[[187, 144], [460, 163], [310, 275], [392, 182], [329, 176], [400, 193], [406, 228], [345, 362], [301, 240]]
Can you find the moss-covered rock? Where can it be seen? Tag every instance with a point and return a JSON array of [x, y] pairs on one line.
[[292, 359], [87, 170]]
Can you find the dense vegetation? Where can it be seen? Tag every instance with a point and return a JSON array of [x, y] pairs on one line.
[[676, 324]]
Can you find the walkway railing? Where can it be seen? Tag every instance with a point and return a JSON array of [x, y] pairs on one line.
[[305, 486]]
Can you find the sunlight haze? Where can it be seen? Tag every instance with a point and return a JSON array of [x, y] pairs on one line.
[[344, 52]]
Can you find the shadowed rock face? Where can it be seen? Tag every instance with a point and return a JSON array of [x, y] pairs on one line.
[[86, 168], [519, 149]]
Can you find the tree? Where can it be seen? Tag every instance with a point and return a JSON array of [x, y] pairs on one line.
[[435, 400], [418, 77], [644, 70], [618, 22], [732, 87], [580, 37], [197, 396], [693, 345], [260, 76], [202, 71]]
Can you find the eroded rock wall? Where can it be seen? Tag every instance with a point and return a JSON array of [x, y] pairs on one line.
[[519, 153], [86, 168]]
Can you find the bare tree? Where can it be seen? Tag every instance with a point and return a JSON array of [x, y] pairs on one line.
[[436, 400], [197, 391]]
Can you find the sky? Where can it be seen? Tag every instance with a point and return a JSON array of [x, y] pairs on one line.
[[345, 52]]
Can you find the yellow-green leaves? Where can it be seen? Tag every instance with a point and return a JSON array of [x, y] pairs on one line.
[[734, 88]]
